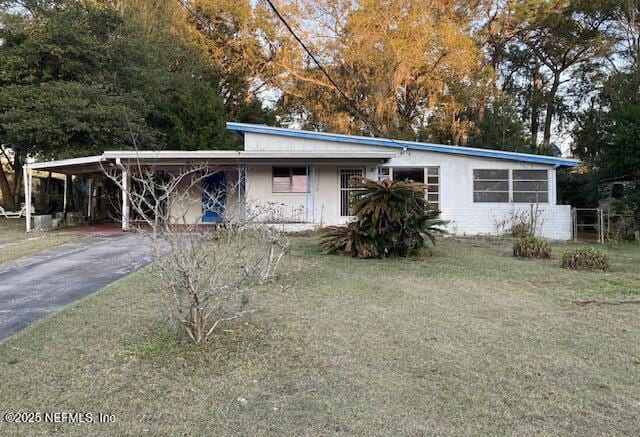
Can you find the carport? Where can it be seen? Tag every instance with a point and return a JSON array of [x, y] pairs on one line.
[[231, 161]]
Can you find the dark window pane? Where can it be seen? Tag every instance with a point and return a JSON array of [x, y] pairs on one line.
[[491, 174], [491, 186], [530, 186], [530, 175], [433, 171], [541, 197], [299, 171], [488, 196], [281, 171], [432, 180], [411, 174]]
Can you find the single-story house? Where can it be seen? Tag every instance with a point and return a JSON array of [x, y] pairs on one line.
[[306, 176]]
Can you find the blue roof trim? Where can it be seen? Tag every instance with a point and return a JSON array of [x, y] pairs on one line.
[[399, 144]]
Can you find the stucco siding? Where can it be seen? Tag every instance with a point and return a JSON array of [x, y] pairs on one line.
[[186, 208]]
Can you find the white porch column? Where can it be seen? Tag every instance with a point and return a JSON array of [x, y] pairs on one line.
[[310, 201], [125, 199], [66, 189], [90, 200], [26, 176]]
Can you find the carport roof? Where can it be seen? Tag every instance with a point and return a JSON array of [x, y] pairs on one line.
[[93, 164]]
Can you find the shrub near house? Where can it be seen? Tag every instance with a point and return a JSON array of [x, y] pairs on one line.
[[585, 259], [531, 247], [393, 219]]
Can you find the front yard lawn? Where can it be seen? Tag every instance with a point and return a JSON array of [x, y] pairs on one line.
[[15, 243], [468, 341]]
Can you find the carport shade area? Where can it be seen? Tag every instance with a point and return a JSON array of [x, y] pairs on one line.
[[126, 162], [32, 287]]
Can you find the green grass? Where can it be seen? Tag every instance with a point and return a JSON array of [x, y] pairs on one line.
[[15, 243], [468, 341]]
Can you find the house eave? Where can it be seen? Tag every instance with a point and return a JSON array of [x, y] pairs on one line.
[[401, 144]]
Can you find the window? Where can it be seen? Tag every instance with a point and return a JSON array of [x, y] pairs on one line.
[[408, 174], [433, 187], [347, 177], [289, 180], [417, 174], [491, 185], [530, 186], [384, 174]]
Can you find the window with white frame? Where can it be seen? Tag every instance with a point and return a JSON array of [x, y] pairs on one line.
[[491, 186], [433, 187], [530, 186], [430, 176], [289, 180], [348, 176], [384, 173], [518, 186]]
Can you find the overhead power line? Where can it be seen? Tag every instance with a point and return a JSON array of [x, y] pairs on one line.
[[352, 104]]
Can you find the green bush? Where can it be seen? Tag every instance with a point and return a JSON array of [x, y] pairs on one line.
[[392, 220], [585, 259], [531, 247]]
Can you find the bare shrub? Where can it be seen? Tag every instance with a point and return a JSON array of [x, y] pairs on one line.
[[205, 273], [522, 222]]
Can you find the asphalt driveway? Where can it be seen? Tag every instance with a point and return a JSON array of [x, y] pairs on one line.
[[34, 286]]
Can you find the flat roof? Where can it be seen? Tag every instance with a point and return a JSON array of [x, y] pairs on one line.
[[91, 164], [401, 144]]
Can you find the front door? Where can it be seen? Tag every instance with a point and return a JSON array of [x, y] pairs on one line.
[[214, 197]]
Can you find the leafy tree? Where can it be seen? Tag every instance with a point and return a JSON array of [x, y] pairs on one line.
[[501, 128], [552, 43], [607, 135], [79, 77], [401, 62]]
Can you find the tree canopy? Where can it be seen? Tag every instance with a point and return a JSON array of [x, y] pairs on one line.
[[77, 77]]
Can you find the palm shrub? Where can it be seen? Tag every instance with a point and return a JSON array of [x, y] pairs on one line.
[[392, 220]]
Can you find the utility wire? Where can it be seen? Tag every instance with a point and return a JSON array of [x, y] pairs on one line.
[[195, 15], [344, 95], [352, 104]]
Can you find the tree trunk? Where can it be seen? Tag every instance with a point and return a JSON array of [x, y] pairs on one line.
[[17, 180], [8, 200], [550, 112], [536, 89]]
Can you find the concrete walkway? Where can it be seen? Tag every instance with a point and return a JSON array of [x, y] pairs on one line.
[[34, 286]]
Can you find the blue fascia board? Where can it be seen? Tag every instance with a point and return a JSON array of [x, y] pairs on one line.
[[399, 144]]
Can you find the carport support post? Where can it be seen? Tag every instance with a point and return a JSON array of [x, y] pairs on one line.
[[26, 176], [66, 189], [125, 199]]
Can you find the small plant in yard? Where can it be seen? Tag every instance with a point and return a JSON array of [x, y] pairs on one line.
[[393, 219], [531, 247], [585, 259]]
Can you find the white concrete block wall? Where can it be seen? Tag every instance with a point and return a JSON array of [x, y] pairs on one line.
[[456, 187]]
